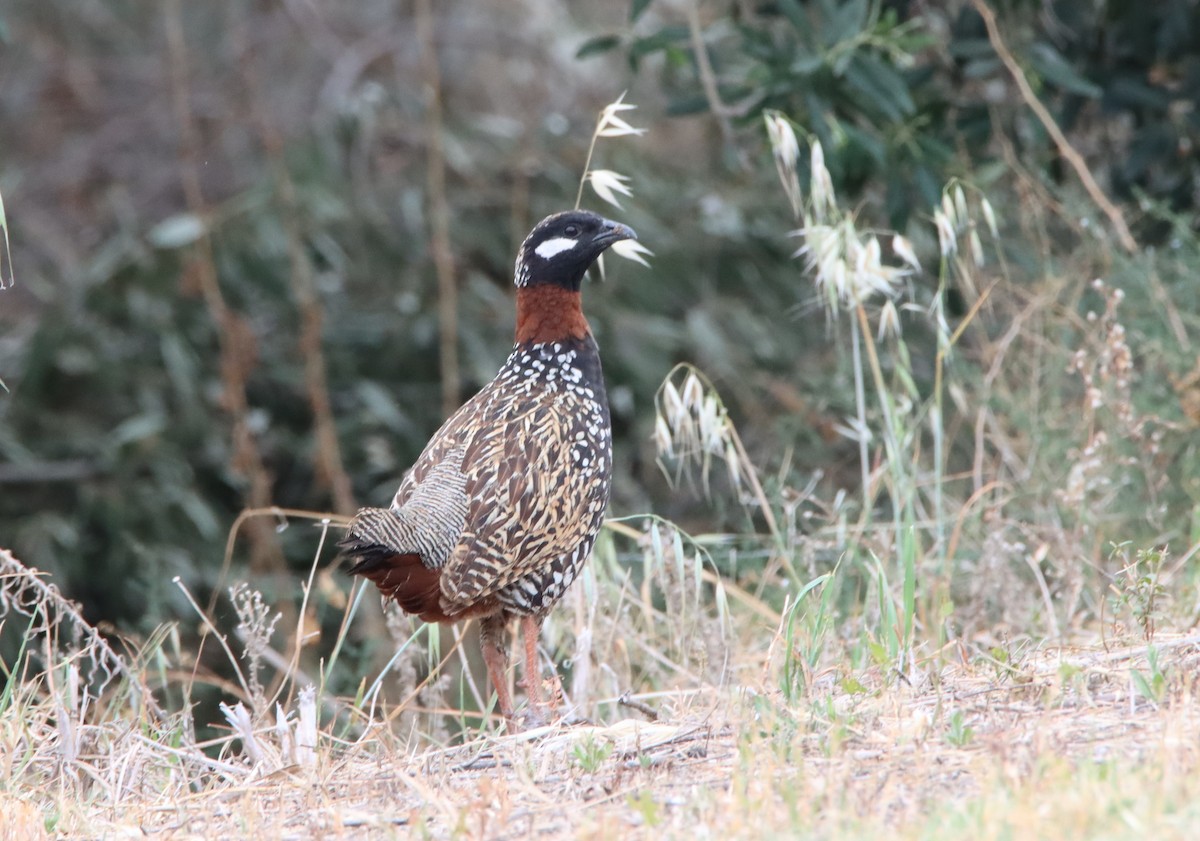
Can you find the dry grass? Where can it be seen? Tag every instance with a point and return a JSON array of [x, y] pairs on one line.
[[1061, 745], [992, 739]]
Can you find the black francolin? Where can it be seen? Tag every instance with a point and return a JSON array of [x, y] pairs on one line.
[[499, 513]]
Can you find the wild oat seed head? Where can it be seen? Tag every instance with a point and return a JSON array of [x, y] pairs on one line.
[[976, 246], [824, 198], [947, 239], [672, 403], [662, 437], [960, 204], [611, 125], [607, 184], [786, 152], [848, 269], [693, 392], [782, 137], [989, 216], [692, 426], [889, 320], [948, 210], [905, 252], [631, 249]]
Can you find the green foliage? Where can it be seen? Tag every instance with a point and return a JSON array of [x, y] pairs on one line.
[[589, 753], [645, 805], [958, 732], [1138, 587], [1153, 685], [1140, 64], [892, 101], [846, 71], [805, 626]]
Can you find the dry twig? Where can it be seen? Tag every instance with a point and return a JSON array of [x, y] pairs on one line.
[[234, 336], [330, 469], [439, 212], [1064, 146]]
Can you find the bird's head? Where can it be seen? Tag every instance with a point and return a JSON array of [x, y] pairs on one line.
[[562, 247]]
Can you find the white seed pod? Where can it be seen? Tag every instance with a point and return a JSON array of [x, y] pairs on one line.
[[673, 405], [904, 250], [662, 437], [607, 184], [989, 216], [976, 246], [693, 392]]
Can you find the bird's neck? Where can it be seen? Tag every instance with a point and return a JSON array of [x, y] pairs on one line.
[[548, 313]]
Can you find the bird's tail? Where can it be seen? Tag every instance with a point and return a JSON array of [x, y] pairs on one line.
[[382, 550], [372, 539]]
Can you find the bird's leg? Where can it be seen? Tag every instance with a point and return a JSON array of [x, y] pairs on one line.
[[495, 657], [531, 629]]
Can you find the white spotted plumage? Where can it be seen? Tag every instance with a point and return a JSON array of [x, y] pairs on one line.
[[501, 510], [534, 451]]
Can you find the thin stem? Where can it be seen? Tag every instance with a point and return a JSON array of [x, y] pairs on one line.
[[327, 456], [246, 457], [860, 399], [587, 164], [885, 404], [443, 257], [756, 486], [1114, 214], [708, 78], [936, 422]]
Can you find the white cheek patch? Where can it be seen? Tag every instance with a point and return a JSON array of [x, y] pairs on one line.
[[552, 247]]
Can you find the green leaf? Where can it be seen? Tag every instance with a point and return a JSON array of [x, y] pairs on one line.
[[660, 40], [1055, 69], [866, 143], [853, 686], [200, 513], [1135, 93], [795, 14], [684, 105], [846, 21], [1143, 686], [882, 88], [137, 428], [878, 653], [382, 405], [181, 365], [599, 44], [971, 48], [811, 585], [807, 64], [636, 8]]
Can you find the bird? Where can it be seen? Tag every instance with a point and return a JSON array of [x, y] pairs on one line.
[[498, 515]]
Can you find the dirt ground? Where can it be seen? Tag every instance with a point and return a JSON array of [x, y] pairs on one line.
[[1085, 741]]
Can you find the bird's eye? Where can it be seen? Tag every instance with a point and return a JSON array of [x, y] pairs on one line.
[[571, 230]]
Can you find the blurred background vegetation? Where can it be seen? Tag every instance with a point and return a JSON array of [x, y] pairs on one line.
[[225, 226]]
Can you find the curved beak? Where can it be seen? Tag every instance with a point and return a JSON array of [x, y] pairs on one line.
[[613, 232]]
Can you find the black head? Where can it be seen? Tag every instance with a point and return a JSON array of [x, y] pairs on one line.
[[562, 247]]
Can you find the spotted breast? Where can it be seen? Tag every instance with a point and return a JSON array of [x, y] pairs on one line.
[[500, 512]]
